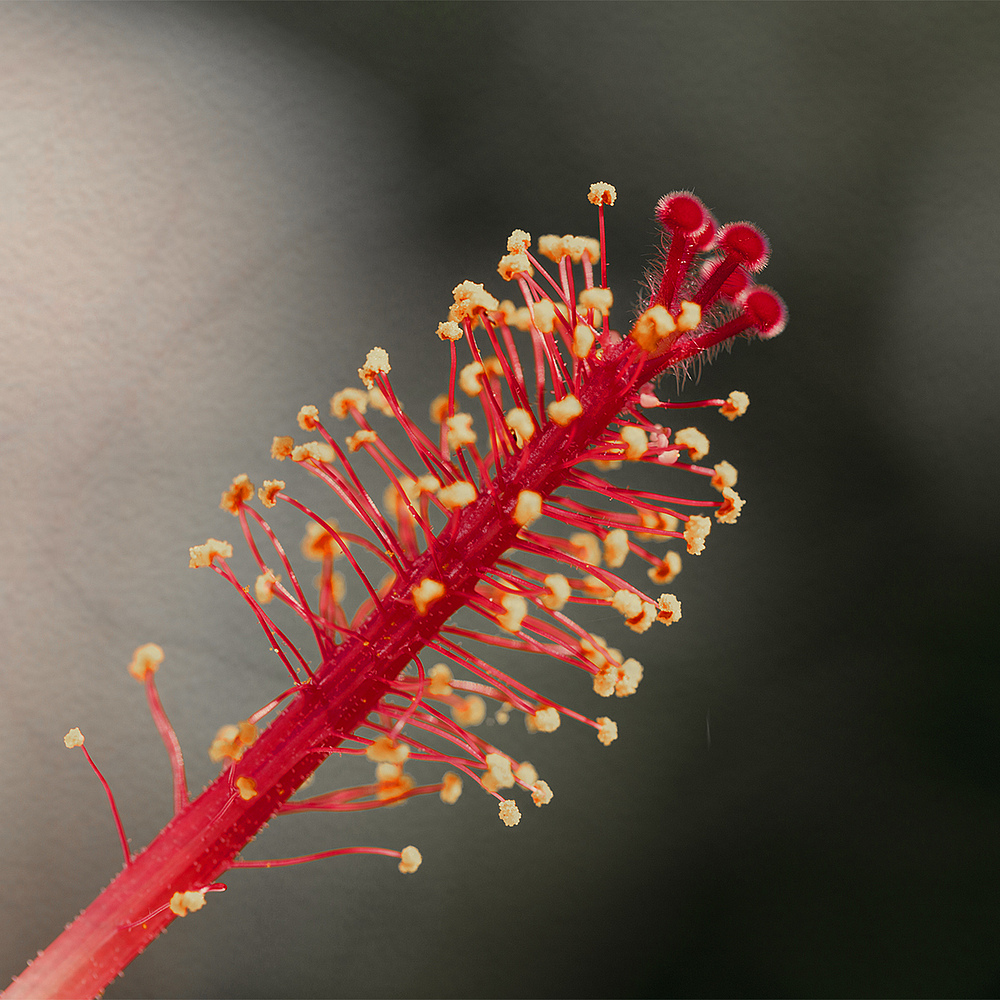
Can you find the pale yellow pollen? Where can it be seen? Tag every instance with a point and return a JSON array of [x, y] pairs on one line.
[[509, 812], [689, 316], [731, 507], [616, 547], [439, 680], [735, 406], [377, 363], [552, 246], [639, 614], [545, 720], [74, 738], [239, 492], [635, 440], [457, 494], [596, 650], [558, 594], [528, 507], [183, 903], [526, 773], [451, 788], [426, 593], [281, 448], [521, 318], [655, 519], [541, 794], [666, 570], [270, 489], [203, 555], [514, 265], [387, 751], [471, 712], [346, 400], [263, 587], [361, 438], [629, 676], [316, 451], [602, 193], [544, 313], [469, 378], [586, 547], [668, 609], [439, 408], [608, 732], [604, 680], [518, 242], [460, 432], [377, 398], [583, 340], [450, 330], [652, 327], [247, 787], [502, 714], [233, 741], [589, 246], [318, 544], [695, 532], [695, 442], [515, 610], [564, 411], [725, 475], [598, 299], [500, 773], [520, 422], [308, 418], [392, 782], [470, 300], [145, 660], [606, 466], [409, 860]]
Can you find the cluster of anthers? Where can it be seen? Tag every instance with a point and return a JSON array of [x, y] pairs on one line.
[[461, 521]]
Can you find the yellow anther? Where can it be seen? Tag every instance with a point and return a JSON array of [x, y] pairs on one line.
[[470, 300], [695, 532], [689, 316], [450, 330], [377, 363], [270, 489], [541, 794], [451, 788], [725, 475], [735, 406], [145, 660], [598, 299], [203, 555], [426, 593], [439, 680], [636, 442], [74, 738], [471, 712], [183, 903], [652, 327], [247, 787], [668, 609], [509, 812], [731, 506], [558, 592], [263, 587], [376, 397], [564, 411], [583, 340], [520, 422], [499, 773], [518, 242], [545, 720], [439, 408], [233, 741], [608, 732], [387, 751], [281, 448], [239, 492], [666, 570], [346, 400], [602, 193], [460, 432], [457, 494], [528, 507], [361, 438], [616, 548], [515, 610], [308, 418], [544, 315], [318, 544], [639, 613], [586, 547], [313, 451], [409, 860], [514, 265], [695, 442]]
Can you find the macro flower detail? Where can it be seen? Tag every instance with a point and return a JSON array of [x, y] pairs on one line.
[[505, 512]]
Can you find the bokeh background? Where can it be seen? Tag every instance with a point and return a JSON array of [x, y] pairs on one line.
[[211, 211]]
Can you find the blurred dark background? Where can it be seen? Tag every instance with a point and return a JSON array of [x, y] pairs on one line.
[[804, 799]]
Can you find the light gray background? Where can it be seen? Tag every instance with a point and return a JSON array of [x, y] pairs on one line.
[[210, 212]]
